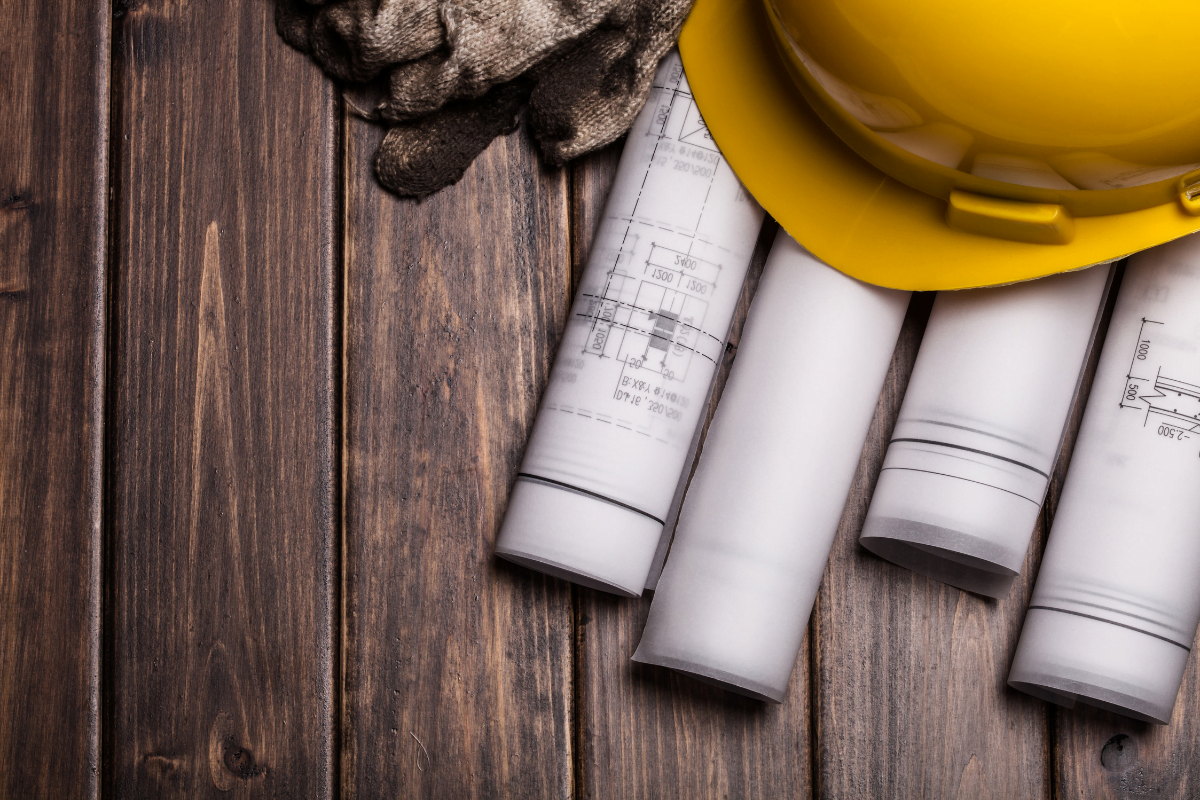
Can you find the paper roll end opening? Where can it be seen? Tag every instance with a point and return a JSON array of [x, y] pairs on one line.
[[572, 535], [940, 553], [571, 574], [1092, 661]]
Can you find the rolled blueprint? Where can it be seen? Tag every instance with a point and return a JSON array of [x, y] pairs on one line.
[[638, 355], [971, 455], [1114, 611], [760, 516]]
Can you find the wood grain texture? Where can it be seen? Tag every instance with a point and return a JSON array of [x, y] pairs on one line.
[[648, 732], [458, 666], [278, 501], [223, 509], [54, 72], [911, 695], [1099, 755]]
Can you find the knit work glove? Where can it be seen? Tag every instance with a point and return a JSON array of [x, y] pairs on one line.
[[455, 74]]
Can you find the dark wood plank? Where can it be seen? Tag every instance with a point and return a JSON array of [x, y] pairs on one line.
[[647, 732], [224, 501], [591, 178], [54, 73], [911, 695], [1100, 755], [458, 667]]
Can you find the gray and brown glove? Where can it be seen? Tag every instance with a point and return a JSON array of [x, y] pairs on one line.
[[455, 74]]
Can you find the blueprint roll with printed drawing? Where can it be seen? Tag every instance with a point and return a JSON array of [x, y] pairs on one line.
[[637, 359], [1117, 600]]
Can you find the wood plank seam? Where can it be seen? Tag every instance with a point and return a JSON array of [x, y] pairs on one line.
[[1059, 472], [339, 443], [1046, 520], [103, 343], [578, 767], [108, 545]]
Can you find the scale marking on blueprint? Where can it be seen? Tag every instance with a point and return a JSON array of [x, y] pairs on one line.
[[1169, 404]]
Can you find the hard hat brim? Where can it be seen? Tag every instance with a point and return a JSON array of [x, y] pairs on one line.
[[839, 206]]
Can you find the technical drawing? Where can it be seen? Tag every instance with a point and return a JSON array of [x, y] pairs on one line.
[[1169, 405], [695, 132], [652, 319]]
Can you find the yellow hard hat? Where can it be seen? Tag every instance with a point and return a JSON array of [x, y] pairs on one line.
[[939, 144]]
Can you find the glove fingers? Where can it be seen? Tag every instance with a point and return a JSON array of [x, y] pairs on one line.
[[424, 85], [489, 42], [293, 20], [355, 40], [592, 76], [590, 96], [418, 158]]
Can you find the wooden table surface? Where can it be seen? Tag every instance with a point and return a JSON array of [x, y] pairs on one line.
[[258, 425]]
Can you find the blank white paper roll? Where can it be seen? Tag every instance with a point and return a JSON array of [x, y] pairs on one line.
[[1114, 611], [970, 458], [638, 355], [761, 513]]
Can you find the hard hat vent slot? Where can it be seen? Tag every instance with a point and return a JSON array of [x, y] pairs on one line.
[[1018, 221]]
